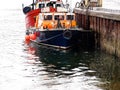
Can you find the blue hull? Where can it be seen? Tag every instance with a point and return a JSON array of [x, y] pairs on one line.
[[59, 38]]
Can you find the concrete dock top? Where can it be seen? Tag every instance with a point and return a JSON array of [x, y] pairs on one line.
[[100, 12]]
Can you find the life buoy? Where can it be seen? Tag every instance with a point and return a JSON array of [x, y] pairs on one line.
[[67, 34], [33, 37], [27, 38]]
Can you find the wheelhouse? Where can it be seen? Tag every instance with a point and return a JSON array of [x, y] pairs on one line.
[[56, 20], [45, 4]]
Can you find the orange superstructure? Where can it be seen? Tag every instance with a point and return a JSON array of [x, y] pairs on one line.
[[55, 12]]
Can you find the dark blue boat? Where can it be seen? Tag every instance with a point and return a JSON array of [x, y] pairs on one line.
[[54, 25]]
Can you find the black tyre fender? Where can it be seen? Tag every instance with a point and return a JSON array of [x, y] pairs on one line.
[[67, 34]]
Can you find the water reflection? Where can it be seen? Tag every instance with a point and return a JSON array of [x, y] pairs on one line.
[[108, 69], [61, 69], [36, 68], [85, 70], [60, 60]]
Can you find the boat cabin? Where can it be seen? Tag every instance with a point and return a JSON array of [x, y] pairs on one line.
[[56, 20], [52, 4]]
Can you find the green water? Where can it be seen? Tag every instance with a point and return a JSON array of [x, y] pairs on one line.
[[94, 69]]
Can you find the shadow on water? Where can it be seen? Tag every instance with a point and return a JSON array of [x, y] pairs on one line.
[[108, 69], [62, 59], [90, 63]]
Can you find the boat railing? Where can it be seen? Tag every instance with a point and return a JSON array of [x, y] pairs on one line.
[[89, 7]]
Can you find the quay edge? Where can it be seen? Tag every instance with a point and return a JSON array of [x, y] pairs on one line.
[[106, 25]]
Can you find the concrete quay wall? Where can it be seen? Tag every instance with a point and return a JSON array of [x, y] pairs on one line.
[[106, 25]]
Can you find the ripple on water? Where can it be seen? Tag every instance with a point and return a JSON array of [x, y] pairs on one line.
[[34, 68]]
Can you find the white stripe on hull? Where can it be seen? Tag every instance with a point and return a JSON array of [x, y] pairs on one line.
[[59, 47]]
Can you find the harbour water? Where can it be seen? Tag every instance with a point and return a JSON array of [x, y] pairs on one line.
[[33, 67]]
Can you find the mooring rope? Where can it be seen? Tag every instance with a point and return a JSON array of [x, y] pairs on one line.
[[50, 38], [66, 31]]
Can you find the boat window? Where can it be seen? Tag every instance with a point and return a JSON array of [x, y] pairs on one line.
[[58, 5], [70, 17], [48, 17], [50, 4], [59, 17], [41, 5]]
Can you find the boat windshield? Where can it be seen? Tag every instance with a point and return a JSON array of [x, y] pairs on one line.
[[47, 17], [70, 17], [58, 5], [41, 5], [51, 4]]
